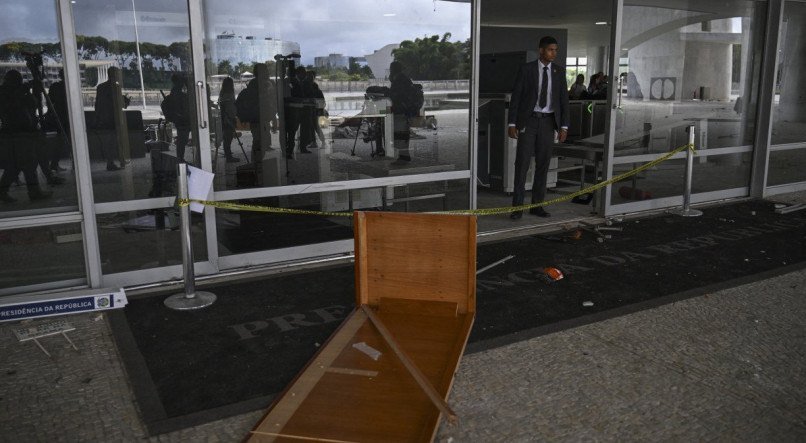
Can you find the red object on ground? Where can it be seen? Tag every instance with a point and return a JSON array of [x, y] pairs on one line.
[[554, 273]]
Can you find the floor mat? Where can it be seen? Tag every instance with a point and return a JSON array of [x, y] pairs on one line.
[[193, 367]]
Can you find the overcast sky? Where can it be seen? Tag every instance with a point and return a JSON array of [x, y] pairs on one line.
[[349, 27]]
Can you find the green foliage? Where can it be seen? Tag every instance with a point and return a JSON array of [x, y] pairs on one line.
[[434, 58]]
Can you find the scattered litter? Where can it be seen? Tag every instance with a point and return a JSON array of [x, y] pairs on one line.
[[587, 304], [98, 317], [369, 350], [779, 206], [747, 259], [614, 228], [752, 212], [343, 156], [495, 264], [600, 240], [583, 199], [553, 273], [577, 235], [790, 208], [317, 344]]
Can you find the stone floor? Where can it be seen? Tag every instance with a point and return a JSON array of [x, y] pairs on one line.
[[724, 366]]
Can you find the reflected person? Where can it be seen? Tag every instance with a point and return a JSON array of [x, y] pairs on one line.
[[58, 118], [400, 92], [105, 116], [176, 108], [226, 103], [319, 99], [539, 106], [19, 137]]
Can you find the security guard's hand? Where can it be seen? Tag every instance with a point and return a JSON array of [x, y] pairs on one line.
[[513, 132], [562, 135]]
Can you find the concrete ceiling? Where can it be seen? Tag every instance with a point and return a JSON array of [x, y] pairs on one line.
[[579, 16]]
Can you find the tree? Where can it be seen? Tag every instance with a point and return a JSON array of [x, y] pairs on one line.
[[434, 58], [225, 67]]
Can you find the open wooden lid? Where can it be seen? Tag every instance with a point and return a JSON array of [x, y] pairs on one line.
[[422, 257]]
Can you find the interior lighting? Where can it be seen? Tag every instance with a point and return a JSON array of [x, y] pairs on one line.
[[601, 23]]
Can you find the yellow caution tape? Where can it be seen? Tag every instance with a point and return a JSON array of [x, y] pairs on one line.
[[488, 211]]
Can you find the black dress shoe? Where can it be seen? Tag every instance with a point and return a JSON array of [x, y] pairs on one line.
[[540, 212], [516, 215]]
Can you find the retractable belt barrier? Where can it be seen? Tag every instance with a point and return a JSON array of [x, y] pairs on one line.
[[488, 211]]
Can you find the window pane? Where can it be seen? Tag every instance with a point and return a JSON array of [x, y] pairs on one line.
[[131, 59], [131, 241], [787, 167], [35, 148], [689, 74], [41, 255], [241, 231], [789, 112], [324, 106]]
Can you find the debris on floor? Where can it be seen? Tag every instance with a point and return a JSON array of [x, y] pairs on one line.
[[503, 260]]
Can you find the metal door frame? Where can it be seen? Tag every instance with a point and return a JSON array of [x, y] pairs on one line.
[[760, 149]]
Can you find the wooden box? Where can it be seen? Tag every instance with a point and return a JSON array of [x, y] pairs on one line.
[[386, 372]]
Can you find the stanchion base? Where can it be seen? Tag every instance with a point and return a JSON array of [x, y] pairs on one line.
[[181, 302], [686, 212]]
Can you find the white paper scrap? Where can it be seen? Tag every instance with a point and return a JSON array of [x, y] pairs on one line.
[[199, 185], [369, 350]]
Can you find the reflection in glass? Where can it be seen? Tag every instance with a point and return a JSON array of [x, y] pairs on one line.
[[137, 85], [35, 148], [321, 106], [241, 232], [664, 180], [41, 255], [789, 107], [689, 66], [787, 167], [131, 241]]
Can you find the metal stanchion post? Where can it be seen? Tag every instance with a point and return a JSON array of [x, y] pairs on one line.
[[190, 299], [686, 210]]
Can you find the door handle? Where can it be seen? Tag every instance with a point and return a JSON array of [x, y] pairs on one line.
[[201, 104]]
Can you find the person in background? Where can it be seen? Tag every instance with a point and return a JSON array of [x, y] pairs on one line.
[[19, 137], [578, 89], [538, 108], [226, 103], [105, 117]]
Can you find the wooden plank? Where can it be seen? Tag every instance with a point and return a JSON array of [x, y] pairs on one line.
[[282, 411], [421, 307], [415, 372]]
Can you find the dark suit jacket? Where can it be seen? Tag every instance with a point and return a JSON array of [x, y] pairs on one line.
[[525, 95]]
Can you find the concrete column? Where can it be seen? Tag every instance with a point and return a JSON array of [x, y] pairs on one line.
[[597, 61], [792, 106], [707, 65]]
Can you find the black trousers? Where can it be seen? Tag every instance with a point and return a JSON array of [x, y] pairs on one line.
[[536, 139]]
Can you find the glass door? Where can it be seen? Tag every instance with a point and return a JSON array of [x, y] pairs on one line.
[[787, 157], [677, 65], [41, 226], [333, 106], [143, 113]]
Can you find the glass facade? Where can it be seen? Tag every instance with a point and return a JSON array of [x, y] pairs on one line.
[[42, 254], [331, 109], [357, 105], [35, 144], [138, 94], [789, 103], [684, 68]]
